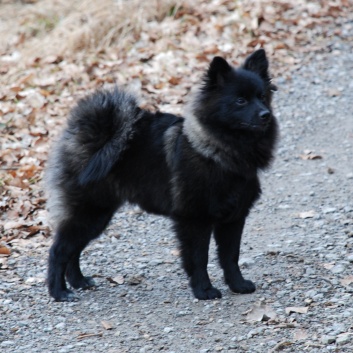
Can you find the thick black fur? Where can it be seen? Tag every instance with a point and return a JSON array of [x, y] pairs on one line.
[[201, 171]]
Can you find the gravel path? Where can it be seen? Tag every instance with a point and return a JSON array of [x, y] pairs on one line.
[[298, 248]]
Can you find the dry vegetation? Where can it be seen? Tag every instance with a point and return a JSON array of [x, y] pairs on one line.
[[54, 51]]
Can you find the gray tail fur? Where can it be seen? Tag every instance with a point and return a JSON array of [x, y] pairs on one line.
[[103, 124]]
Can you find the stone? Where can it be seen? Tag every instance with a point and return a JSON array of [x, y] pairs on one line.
[[336, 328], [344, 338], [61, 325], [350, 257], [338, 269], [7, 343], [328, 339]]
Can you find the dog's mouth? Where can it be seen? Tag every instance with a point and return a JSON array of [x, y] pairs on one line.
[[255, 126]]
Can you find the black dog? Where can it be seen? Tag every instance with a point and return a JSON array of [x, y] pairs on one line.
[[201, 171]]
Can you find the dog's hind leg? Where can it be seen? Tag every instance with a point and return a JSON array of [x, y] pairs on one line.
[[64, 258], [228, 239], [73, 272], [194, 237]]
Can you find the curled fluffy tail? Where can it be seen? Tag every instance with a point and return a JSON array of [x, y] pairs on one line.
[[101, 126]]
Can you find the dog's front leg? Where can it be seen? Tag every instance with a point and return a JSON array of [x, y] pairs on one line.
[[194, 237], [228, 238]]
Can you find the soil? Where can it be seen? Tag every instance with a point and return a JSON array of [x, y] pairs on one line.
[[297, 248]]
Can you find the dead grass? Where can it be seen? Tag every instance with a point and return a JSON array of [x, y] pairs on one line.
[[61, 27]]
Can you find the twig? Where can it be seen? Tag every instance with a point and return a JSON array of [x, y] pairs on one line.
[[100, 334], [281, 345]]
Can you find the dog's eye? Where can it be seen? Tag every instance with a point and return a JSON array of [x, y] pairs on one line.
[[263, 97], [241, 101]]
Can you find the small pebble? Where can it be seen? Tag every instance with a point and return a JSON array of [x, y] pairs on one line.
[[328, 339], [338, 269], [342, 339], [350, 257], [60, 325]]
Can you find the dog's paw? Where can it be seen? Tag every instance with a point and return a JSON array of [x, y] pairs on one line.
[[82, 283], [66, 295], [207, 294], [244, 286]]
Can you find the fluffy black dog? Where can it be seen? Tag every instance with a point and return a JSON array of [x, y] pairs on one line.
[[201, 171]]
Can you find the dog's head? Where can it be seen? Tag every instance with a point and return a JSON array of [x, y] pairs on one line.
[[237, 99]]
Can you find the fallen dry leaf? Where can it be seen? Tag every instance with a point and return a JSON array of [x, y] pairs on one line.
[[117, 279], [309, 155], [329, 265], [3, 262], [307, 214], [175, 252], [107, 325], [4, 250], [333, 92], [346, 281], [174, 80], [261, 312], [13, 224]]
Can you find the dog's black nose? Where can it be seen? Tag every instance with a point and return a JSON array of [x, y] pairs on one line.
[[265, 115]]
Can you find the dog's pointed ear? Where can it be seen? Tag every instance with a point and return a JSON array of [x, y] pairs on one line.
[[218, 70], [257, 62]]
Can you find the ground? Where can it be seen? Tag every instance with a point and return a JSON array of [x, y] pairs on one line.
[[297, 246]]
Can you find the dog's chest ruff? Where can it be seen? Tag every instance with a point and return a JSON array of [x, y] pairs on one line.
[[208, 145]]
